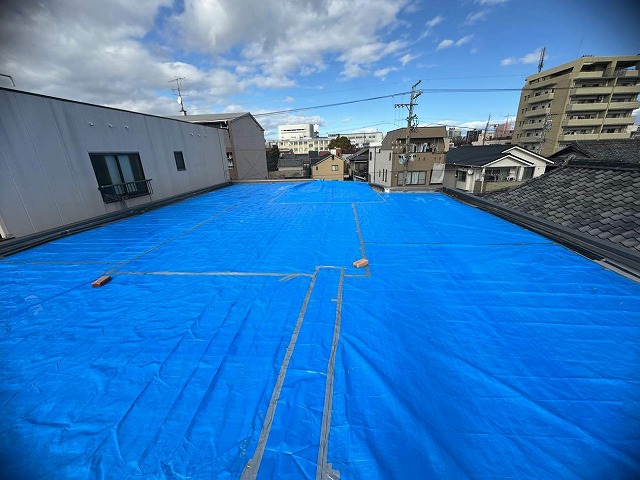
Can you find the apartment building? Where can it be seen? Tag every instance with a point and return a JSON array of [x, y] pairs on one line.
[[422, 163], [591, 98], [297, 132]]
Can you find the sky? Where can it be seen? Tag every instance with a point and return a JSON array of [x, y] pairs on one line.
[[266, 56]]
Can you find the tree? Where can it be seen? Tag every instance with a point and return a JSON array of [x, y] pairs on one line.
[[273, 154], [340, 142]]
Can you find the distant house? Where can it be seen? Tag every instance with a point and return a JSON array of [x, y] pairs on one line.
[[246, 157], [359, 165], [331, 167], [64, 162], [612, 150], [490, 167], [291, 165]]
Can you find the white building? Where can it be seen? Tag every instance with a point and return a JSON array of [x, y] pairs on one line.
[[297, 132], [380, 165], [63, 162], [360, 139], [305, 145]]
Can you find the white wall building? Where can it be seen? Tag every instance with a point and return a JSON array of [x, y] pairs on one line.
[[380, 165], [63, 161], [360, 139], [296, 132]]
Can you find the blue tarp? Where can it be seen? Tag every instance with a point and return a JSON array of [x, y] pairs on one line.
[[236, 339]]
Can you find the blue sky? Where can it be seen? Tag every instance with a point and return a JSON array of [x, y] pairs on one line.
[[263, 55]]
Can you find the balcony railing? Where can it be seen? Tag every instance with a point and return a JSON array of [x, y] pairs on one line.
[[123, 191]]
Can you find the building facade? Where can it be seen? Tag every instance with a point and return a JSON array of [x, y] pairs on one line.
[[63, 162], [305, 145], [491, 167], [591, 98], [360, 139], [332, 167], [296, 132], [244, 140], [418, 164]]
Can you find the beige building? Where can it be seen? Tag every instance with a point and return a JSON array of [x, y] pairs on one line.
[[244, 139], [423, 162], [305, 145], [591, 98], [331, 167]]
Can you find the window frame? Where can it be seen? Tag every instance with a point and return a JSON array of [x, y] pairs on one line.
[[179, 158]]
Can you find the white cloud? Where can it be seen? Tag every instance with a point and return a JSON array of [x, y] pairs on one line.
[[446, 43], [430, 25], [289, 99], [463, 40], [406, 58], [383, 72], [450, 43], [435, 21], [528, 59], [473, 18], [112, 52], [491, 2]]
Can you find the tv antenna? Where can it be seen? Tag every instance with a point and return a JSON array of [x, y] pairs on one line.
[[541, 62], [177, 91]]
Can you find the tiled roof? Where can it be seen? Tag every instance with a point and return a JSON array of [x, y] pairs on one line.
[[596, 197], [480, 155], [627, 151]]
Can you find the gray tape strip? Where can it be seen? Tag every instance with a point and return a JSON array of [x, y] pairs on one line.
[[362, 252], [324, 470], [251, 468]]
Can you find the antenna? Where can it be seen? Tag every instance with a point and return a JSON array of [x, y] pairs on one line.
[[541, 62], [178, 81]]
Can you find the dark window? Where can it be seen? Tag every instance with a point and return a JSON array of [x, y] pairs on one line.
[[120, 176], [230, 160], [527, 173], [179, 161], [462, 175]]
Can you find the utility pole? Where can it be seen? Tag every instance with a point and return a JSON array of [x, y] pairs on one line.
[[546, 126], [178, 80], [486, 129], [411, 124]]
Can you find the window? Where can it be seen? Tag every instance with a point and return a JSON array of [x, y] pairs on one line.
[[179, 161], [461, 175], [334, 168], [413, 178], [496, 174], [527, 173], [120, 176], [230, 160]]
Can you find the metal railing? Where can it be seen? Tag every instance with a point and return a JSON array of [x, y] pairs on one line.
[[123, 191]]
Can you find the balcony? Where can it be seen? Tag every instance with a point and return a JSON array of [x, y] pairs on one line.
[[618, 121], [629, 89], [575, 137], [596, 74], [586, 107], [124, 191], [543, 97], [584, 122], [614, 136], [536, 113], [528, 140], [532, 126], [624, 105], [591, 91]]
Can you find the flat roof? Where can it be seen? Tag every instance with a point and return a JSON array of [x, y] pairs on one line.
[[236, 337]]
